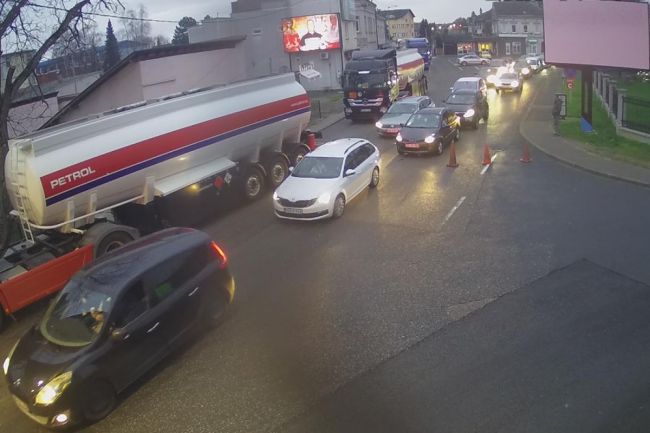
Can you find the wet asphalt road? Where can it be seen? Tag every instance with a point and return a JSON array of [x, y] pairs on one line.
[[321, 306]]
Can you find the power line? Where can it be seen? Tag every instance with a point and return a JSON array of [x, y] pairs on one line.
[[98, 14]]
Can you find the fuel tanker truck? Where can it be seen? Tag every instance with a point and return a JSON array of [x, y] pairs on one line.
[[374, 79], [83, 188]]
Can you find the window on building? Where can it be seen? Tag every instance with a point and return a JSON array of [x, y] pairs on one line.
[[514, 28], [525, 28], [356, 23]]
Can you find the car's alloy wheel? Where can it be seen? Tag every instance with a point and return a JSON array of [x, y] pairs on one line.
[[463, 64], [339, 206], [99, 400], [374, 180]]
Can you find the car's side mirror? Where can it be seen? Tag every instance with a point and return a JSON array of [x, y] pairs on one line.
[[350, 172]]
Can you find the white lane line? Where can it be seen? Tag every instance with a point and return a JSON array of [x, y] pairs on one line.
[[454, 209], [490, 164]]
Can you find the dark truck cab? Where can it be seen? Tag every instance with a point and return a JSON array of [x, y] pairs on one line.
[[370, 83]]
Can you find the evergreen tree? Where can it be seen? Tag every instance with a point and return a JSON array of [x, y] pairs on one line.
[[180, 33], [111, 50], [424, 29]]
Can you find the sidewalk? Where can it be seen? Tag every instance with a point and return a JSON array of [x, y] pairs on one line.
[[537, 128], [326, 109]]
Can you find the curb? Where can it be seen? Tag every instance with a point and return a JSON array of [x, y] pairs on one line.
[[575, 164], [326, 122], [522, 132]]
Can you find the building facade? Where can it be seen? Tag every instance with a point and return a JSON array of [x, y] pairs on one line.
[[266, 25], [156, 72], [18, 60], [519, 27], [400, 23]]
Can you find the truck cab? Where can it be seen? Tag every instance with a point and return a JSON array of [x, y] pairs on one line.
[[370, 84]]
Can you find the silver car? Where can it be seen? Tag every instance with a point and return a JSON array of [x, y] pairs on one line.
[[399, 113], [472, 59]]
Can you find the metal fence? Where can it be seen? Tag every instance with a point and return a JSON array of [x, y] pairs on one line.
[[636, 114], [614, 106]]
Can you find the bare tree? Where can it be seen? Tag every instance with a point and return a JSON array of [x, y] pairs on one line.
[[77, 53], [135, 26], [29, 30], [161, 40]]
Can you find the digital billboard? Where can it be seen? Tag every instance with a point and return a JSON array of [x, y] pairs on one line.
[[311, 33], [598, 33]]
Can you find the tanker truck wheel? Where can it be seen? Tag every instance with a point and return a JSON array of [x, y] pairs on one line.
[[107, 236], [253, 183], [278, 170]]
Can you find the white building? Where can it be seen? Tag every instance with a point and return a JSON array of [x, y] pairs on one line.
[[261, 22]]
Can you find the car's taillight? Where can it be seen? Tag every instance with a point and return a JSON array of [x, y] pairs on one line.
[[221, 255]]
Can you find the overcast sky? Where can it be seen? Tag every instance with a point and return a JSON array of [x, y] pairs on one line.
[[173, 10]]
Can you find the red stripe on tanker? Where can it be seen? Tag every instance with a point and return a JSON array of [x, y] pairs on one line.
[[81, 173]]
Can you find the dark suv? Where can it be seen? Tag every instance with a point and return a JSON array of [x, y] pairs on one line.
[[113, 321], [470, 105]]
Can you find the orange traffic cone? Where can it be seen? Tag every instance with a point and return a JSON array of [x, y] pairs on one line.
[[526, 157], [452, 156], [311, 141], [487, 158]]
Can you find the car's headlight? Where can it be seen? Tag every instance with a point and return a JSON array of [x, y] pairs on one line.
[[469, 113], [275, 196], [515, 83], [324, 198], [429, 139], [379, 125], [5, 364], [525, 71], [53, 390], [399, 138], [491, 78]]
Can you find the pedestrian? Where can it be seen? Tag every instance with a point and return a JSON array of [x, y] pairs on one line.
[[557, 110]]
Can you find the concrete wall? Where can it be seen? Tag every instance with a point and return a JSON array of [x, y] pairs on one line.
[[187, 71], [26, 118], [150, 79], [122, 89]]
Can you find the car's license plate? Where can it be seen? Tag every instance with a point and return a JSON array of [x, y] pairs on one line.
[[412, 145], [293, 211], [365, 110], [392, 130]]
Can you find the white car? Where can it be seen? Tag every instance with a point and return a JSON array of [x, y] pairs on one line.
[[508, 81], [326, 179], [472, 59]]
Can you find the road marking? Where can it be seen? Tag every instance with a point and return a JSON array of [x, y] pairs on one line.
[[490, 164], [454, 209]]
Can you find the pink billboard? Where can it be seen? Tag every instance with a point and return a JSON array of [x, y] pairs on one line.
[[597, 32]]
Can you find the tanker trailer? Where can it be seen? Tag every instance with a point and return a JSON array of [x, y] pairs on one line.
[[70, 184]]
